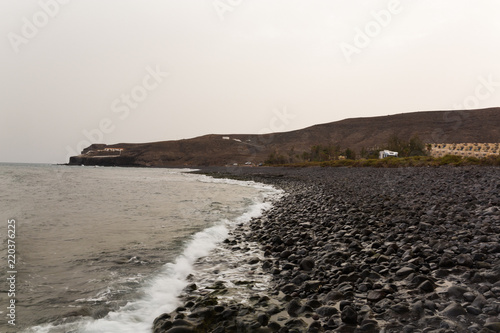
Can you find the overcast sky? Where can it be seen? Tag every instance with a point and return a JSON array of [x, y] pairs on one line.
[[149, 70]]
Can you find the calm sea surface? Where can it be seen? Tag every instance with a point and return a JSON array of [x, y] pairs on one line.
[[109, 249]]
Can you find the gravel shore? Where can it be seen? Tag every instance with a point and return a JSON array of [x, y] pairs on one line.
[[364, 250]]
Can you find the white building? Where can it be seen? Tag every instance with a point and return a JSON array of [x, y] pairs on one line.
[[119, 150], [386, 153]]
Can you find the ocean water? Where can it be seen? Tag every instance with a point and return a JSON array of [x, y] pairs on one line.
[[109, 249]]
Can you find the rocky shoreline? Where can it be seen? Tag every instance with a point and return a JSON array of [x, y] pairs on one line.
[[363, 250]]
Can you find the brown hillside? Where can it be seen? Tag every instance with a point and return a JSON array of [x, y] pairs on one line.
[[431, 126]]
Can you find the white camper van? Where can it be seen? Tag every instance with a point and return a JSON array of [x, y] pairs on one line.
[[386, 153]]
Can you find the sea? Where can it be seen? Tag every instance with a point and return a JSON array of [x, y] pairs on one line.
[[108, 249]]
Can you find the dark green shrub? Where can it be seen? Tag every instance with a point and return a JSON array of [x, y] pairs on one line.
[[450, 159]]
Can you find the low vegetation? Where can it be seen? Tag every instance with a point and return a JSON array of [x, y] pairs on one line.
[[334, 153], [317, 153], [412, 153], [395, 162]]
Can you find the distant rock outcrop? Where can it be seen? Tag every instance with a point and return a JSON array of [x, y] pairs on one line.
[[431, 126]]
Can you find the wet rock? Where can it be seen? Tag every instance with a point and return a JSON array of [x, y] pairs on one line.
[[494, 326], [289, 288], [100, 312], [296, 323], [469, 297], [479, 302], [409, 328], [456, 292], [300, 279], [465, 260], [293, 307], [181, 322], [180, 316], [375, 295], [344, 303], [326, 311], [491, 310], [404, 271], [228, 313], [349, 316], [217, 285], [441, 273], [267, 264], [473, 310], [417, 309], [253, 260], [369, 326], [206, 313], [426, 286], [181, 329], [192, 286], [273, 309], [275, 271], [454, 309], [400, 308], [333, 295], [161, 318], [312, 285], [274, 326], [315, 327], [430, 305], [307, 264], [446, 261], [263, 319], [285, 254], [313, 303]]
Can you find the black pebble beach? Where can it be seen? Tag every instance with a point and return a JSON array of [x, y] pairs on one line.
[[366, 250]]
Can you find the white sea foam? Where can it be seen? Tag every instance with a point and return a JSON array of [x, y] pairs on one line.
[[160, 294], [207, 179]]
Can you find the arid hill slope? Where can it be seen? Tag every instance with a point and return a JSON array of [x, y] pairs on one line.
[[431, 126]]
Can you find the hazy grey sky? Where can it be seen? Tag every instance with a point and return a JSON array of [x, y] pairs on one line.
[[149, 70]]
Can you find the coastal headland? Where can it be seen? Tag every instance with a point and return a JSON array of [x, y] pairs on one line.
[[468, 133], [362, 250]]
